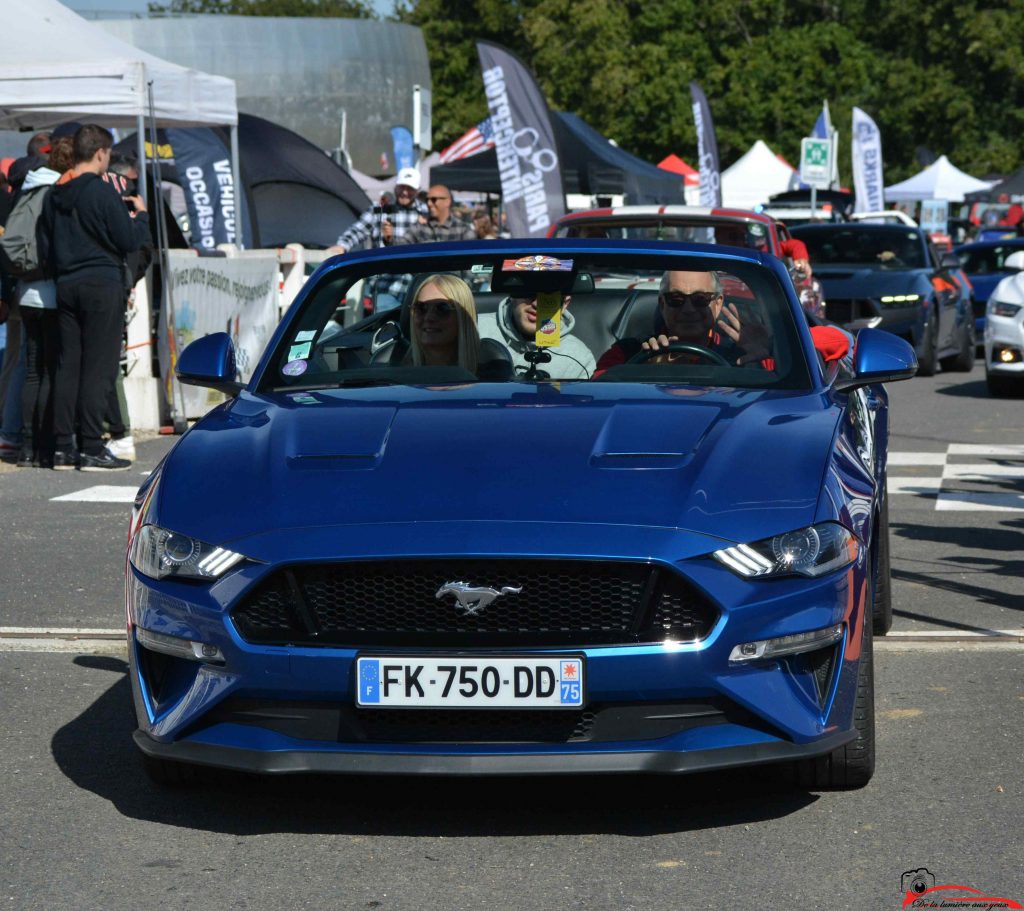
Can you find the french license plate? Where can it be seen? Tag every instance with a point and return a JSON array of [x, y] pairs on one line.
[[466, 682]]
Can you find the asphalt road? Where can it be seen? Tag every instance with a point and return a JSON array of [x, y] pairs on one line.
[[82, 829]]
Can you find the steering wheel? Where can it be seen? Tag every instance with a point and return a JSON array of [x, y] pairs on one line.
[[644, 355]]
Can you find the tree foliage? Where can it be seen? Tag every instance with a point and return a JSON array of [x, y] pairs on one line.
[[348, 9], [946, 75]]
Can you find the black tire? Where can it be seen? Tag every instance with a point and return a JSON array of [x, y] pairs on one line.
[[881, 612], [963, 360], [850, 766], [928, 359], [170, 774]]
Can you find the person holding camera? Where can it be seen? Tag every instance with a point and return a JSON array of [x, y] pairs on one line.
[[381, 225], [87, 231], [441, 224]]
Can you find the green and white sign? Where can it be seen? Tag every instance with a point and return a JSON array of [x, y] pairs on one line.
[[816, 162]]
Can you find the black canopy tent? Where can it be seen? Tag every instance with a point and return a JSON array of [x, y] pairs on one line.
[[590, 164], [1012, 188], [295, 193]]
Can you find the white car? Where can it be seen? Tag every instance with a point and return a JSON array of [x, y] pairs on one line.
[[885, 217], [1004, 332]]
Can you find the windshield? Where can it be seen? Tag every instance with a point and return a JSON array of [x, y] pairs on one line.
[[864, 246], [693, 229], [987, 260], [516, 318]]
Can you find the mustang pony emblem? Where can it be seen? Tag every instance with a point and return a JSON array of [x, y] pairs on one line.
[[470, 599]]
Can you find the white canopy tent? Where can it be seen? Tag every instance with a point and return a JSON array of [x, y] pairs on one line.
[[57, 66], [940, 180], [760, 173]]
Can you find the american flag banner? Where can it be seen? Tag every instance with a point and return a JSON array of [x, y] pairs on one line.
[[478, 139]]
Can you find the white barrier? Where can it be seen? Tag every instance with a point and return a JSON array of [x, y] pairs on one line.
[[142, 388]]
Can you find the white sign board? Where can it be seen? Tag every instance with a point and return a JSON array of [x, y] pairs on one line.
[[816, 162]]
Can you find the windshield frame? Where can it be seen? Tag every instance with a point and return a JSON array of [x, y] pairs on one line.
[[324, 285]]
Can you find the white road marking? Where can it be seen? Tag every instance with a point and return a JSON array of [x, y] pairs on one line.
[[923, 486], [982, 471], [982, 449], [917, 458], [102, 493], [60, 632], [972, 501]]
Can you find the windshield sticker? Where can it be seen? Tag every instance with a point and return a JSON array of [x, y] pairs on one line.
[[549, 319], [306, 336], [537, 264], [304, 398], [299, 352], [295, 368]]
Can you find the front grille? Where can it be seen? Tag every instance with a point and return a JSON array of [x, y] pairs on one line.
[[336, 722], [845, 310], [395, 603]]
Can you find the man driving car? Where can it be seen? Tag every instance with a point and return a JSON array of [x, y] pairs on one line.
[[693, 312]]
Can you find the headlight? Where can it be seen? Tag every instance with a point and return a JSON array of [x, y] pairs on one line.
[[999, 308], [159, 553], [812, 551]]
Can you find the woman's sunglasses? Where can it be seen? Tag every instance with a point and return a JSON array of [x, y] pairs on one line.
[[699, 300], [441, 307]]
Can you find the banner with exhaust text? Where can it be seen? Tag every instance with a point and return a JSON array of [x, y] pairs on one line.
[[867, 164], [531, 177], [217, 213], [215, 294], [707, 149]]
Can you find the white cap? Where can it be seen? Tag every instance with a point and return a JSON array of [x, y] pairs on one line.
[[408, 177]]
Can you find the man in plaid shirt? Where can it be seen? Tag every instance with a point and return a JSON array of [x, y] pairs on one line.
[[440, 223], [376, 228]]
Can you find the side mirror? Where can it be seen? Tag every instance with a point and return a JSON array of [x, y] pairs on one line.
[[949, 261], [210, 361], [878, 357], [1014, 262]]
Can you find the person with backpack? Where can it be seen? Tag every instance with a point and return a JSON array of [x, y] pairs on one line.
[[86, 233], [36, 297]]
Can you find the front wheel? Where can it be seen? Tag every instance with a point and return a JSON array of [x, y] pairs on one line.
[[928, 360], [851, 766], [963, 360], [881, 613]]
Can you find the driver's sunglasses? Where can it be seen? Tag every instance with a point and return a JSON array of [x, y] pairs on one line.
[[699, 300], [441, 307], [436, 199]]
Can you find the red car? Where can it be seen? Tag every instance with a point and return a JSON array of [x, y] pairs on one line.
[[695, 224]]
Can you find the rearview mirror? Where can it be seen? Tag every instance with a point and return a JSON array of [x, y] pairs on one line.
[[210, 361], [878, 357]]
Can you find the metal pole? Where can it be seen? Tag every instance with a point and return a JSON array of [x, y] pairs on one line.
[[236, 175], [814, 199], [140, 153]]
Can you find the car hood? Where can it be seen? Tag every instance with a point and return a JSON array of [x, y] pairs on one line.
[[1011, 289], [401, 462], [843, 283]]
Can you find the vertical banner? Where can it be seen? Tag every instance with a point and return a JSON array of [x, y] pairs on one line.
[[707, 149], [217, 213], [867, 164], [214, 294], [531, 179], [401, 141]]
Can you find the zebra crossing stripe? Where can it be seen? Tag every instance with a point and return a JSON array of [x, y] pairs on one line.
[[942, 487], [102, 493]]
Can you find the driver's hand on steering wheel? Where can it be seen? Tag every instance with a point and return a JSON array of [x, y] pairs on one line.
[[656, 343], [751, 336]]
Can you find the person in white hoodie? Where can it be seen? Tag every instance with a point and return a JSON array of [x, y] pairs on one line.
[[514, 324], [38, 303]]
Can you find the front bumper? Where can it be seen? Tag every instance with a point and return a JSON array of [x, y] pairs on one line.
[[776, 710], [298, 760]]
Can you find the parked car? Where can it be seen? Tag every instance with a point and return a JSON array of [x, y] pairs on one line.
[[885, 217], [985, 266], [371, 560], [892, 272], [1004, 331]]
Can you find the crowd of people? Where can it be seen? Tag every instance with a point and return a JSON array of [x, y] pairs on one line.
[[75, 239]]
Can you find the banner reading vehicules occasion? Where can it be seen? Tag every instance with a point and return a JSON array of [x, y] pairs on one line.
[[707, 149], [867, 164], [204, 168], [237, 296], [531, 181]]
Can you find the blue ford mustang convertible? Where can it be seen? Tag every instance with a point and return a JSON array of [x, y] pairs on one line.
[[537, 519]]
